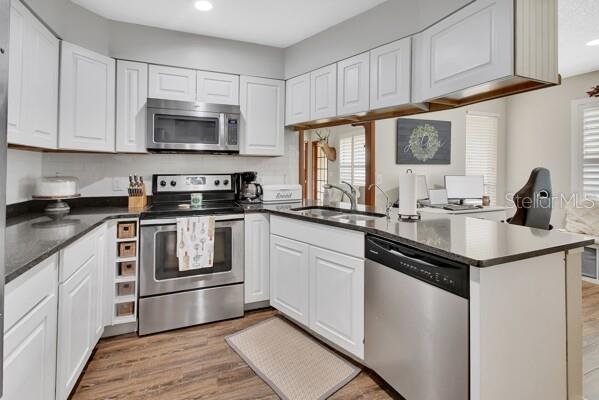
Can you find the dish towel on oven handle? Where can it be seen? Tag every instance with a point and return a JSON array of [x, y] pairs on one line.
[[195, 242]]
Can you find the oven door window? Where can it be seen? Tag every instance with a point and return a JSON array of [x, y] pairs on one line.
[[166, 263], [186, 130]]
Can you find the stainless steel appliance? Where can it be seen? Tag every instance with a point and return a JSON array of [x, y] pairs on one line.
[[248, 190], [416, 321], [169, 298], [4, 38], [192, 126]]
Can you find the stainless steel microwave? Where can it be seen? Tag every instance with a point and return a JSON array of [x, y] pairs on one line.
[[192, 126]]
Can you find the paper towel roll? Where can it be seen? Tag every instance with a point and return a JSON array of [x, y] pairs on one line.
[[407, 194]]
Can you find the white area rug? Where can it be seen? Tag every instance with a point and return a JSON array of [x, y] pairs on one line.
[[292, 363]]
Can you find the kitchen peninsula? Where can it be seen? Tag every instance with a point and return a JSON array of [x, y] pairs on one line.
[[523, 284]]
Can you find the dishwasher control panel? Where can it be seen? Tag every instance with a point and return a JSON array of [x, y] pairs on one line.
[[445, 274]]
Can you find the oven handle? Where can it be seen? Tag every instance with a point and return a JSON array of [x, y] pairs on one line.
[[170, 221]]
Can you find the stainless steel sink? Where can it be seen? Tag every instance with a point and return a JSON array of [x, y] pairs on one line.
[[353, 218], [341, 215]]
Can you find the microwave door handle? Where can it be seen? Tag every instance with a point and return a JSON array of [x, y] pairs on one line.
[[222, 131]]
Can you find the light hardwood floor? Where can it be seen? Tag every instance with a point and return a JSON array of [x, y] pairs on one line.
[[191, 363]]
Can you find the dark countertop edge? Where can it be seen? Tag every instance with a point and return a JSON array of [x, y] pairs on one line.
[[433, 250], [31, 264]]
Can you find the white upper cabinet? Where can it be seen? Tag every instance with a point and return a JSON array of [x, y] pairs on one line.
[[323, 92], [353, 81], [170, 83], [471, 47], [131, 99], [390, 74], [87, 100], [297, 104], [33, 81], [214, 87], [262, 103]]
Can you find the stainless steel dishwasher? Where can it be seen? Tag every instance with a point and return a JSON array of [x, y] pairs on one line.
[[416, 321]]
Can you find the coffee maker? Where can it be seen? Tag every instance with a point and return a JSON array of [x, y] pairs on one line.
[[246, 187]]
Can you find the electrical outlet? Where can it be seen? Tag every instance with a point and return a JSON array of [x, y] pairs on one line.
[[379, 179]]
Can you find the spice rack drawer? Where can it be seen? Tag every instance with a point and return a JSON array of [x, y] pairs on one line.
[[126, 230], [127, 249], [127, 268], [125, 288], [125, 309]]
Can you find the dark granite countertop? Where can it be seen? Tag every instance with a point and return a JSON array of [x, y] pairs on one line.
[[33, 237], [474, 241]]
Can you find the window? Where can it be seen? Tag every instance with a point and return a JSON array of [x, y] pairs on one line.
[[585, 147], [352, 159], [481, 149], [320, 169]]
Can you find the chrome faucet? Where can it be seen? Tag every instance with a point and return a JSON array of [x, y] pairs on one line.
[[387, 201], [351, 195]]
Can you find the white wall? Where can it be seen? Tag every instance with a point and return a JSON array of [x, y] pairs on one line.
[[539, 133], [389, 171], [160, 46], [382, 24], [23, 168], [96, 171]]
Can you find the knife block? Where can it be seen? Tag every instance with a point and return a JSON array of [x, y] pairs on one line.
[[138, 202]]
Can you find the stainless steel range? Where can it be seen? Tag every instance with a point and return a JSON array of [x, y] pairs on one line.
[[169, 298]]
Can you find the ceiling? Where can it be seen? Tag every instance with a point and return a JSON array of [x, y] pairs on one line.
[[578, 24], [279, 23]]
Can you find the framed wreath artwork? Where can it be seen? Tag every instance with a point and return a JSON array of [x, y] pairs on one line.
[[421, 141]]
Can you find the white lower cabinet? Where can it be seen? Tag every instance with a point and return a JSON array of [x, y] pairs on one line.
[[80, 307], [289, 264], [257, 259], [30, 334], [337, 298], [75, 327], [98, 277], [323, 289]]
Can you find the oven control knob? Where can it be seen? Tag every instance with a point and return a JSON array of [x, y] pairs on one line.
[[173, 183], [163, 183], [216, 182], [226, 182]]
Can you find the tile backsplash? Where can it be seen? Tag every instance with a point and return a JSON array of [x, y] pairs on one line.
[[22, 170], [107, 174]]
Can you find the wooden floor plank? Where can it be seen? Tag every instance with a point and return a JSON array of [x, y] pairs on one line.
[[196, 364], [189, 364]]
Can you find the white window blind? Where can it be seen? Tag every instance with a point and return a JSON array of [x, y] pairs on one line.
[[481, 150], [352, 159], [590, 151]]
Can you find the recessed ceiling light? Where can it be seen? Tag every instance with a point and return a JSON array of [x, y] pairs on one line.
[[593, 43], [203, 5]]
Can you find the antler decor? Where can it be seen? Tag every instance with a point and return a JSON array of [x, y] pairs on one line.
[[323, 143], [594, 92]]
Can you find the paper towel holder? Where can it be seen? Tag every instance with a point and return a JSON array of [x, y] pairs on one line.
[[409, 217]]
